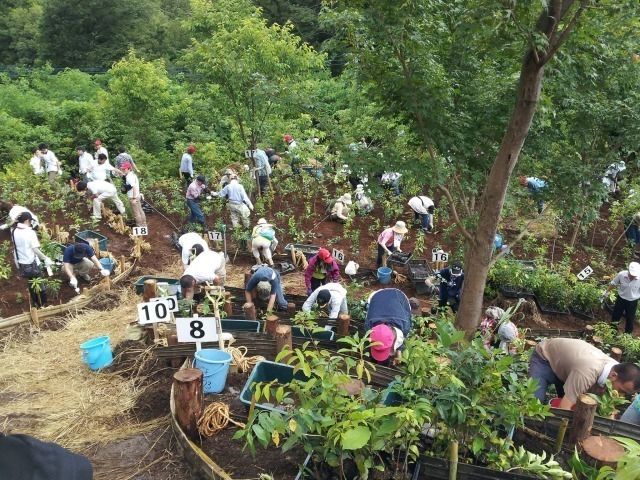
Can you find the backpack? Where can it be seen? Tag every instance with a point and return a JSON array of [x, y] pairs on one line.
[[330, 205], [125, 186], [267, 233]]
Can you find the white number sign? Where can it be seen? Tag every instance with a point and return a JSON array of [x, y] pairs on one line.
[[196, 329], [215, 236], [153, 312], [585, 272], [172, 302], [338, 255], [249, 153], [138, 231], [439, 256]]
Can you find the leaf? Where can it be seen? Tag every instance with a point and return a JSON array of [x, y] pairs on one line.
[[356, 438], [478, 445], [275, 437], [293, 425]]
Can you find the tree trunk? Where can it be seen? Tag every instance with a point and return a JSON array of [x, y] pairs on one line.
[[478, 256], [189, 400]]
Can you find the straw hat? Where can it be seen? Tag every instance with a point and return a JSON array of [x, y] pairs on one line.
[[400, 227], [262, 221]]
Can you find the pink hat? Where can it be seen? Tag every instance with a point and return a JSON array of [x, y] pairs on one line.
[[97, 143], [383, 335], [126, 165], [287, 138]]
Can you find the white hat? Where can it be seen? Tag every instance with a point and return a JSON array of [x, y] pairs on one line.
[[360, 188], [228, 171], [233, 176], [262, 221], [399, 339], [634, 269], [400, 227], [346, 199]]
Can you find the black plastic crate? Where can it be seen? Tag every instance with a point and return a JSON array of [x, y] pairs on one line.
[[399, 259], [419, 270]]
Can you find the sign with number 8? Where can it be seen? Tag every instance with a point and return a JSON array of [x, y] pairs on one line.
[[191, 330]]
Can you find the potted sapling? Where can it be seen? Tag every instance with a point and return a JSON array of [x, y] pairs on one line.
[[586, 298]]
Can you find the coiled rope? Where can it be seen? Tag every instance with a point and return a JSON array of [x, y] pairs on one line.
[[239, 357], [215, 418]]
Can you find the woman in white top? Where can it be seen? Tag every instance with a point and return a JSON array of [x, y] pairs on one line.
[[36, 162]]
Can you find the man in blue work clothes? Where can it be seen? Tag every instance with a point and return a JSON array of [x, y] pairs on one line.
[[239, 203], [262, 169], [451, 279], [536, 187], [266, 281], [195, 189], [389, 320]]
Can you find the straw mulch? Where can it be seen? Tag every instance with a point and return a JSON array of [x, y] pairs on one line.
[[47, 391]]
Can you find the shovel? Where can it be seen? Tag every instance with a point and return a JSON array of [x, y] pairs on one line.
[[224, 242]]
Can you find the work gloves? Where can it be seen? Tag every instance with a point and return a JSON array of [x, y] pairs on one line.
[[104, 272], [388, 252], [74, 282], [48, 262]]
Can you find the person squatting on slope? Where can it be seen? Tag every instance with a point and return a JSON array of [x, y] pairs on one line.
[[320, 269]]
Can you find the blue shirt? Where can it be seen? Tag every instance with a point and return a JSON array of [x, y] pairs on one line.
[[262, 162], [235, 193], [391, 307], [67, 256], [264, 273]]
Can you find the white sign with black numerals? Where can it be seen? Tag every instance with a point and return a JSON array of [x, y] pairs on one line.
[[215, 236], [154, 312], [196, 330], [338, 255], [172, 302], [585, 272], [139, 231], [439, 255]]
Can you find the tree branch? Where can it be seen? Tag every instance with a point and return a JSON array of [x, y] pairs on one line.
[[553, 47], [464, 198], [454, 214]]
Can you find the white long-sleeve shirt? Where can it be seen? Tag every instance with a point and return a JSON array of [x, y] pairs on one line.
[[338, 296]]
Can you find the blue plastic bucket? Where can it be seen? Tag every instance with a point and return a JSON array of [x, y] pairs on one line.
[[497, 241], [384, 275], [96, 353], [214, 364], [107, 264]]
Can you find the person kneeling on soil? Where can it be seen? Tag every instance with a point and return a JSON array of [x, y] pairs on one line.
[[188, 243], [390, 239], [266, 282], [320, 267], [332, 297], [364, 204], [451, 280], [100, 190], [423, 209], [389, 321], [206, 267], [340, 210], [263, 239], [576, 367], [78, 260]]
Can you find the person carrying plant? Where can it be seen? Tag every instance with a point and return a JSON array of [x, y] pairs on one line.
[[239, 203], [576, 367], [186, 165], [390, 239], [131, 186], [628, 284], [27, 256], [263, 240], [207, 266], [423, 209], [535, 187], [331, 297], [187, 244], [99, 191], [389, 321], [78, 260], [451, 280], [340, 210], [320, 268], [194, 191], [266, 282]]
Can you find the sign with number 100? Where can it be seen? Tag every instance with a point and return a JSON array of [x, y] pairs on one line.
[[196, 329], [171, 302], [138, 231]]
